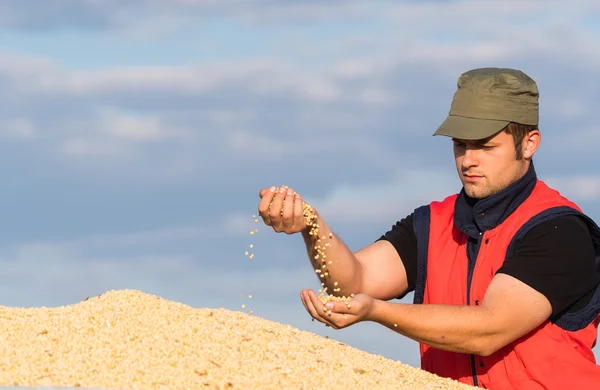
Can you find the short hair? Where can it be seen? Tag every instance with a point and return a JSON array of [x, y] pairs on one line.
[[518, 132]]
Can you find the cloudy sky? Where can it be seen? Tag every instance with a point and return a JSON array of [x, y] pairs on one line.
[[135, 135]]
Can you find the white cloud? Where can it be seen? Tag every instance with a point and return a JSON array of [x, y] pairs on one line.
[[52, 274], [248, 143], [459, 12], [467, 35], [569, 107], [122, 115], [376, 96], [22, 128], [468, 14], [233, 225], [251, 79], [269, 79], [276, 11], [321, 90], [201, 78], [577, 186], [137, 127], [79, 146], [20, 65], [355, 68], [386, 202], [148, 19], [25, 76], [569, 137], [127, 16]]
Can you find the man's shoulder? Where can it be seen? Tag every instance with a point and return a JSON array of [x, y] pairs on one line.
[[547, 194], [572, 215], [543, 206], [557, 232], [440, 206], [448, 199], [575, 223]]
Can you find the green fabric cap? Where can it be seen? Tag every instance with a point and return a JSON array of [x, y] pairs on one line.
[[487, 100]]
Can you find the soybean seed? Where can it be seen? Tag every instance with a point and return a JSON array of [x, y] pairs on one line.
[[310, 220]]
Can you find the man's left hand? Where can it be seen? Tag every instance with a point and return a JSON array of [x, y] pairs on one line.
[[338, 315]]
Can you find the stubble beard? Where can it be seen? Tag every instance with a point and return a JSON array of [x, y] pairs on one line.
[[485, 190], [478, 193]]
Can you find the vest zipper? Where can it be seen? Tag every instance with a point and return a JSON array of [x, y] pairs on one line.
[[475, 381], [470, 271]]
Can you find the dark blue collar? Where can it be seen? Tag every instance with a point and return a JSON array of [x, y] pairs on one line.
[[473, 216]]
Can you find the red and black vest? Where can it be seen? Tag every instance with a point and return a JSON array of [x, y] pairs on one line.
[[558, 354]]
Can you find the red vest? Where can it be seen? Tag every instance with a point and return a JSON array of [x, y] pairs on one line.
[[550, 357]]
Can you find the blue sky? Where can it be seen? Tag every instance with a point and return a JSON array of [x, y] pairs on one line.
[[136, 136]]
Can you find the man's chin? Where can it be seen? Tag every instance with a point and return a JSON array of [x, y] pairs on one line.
[[474, 192]]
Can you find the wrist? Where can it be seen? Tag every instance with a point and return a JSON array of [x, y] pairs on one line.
[[375, 311], [314, 218]]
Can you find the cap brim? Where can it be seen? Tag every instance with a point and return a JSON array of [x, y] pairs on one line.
[[469, 128]]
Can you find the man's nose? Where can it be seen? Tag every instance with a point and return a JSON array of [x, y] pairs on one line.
[[469, 158]]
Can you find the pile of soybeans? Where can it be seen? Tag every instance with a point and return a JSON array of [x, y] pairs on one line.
[[127, 339]]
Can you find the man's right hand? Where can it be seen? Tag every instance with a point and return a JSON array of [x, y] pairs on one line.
[[270, 209]]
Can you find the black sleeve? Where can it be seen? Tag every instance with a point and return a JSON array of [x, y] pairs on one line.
[[402, 237], [557, 259]]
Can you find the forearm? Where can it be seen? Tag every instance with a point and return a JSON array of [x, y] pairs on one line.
[[332, 260], [465, 329]]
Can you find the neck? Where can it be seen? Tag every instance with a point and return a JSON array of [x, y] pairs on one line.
[[477, 215]]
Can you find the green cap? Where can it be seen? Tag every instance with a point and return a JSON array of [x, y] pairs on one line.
[[487, 100]]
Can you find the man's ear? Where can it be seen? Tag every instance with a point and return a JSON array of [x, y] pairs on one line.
[[530, 144]]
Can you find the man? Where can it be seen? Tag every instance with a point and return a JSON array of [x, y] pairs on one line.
[[506, 273]]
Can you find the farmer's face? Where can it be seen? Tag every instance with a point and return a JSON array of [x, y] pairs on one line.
[[487, 166]]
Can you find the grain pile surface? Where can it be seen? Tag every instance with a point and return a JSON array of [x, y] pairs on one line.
[[127, 339]]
